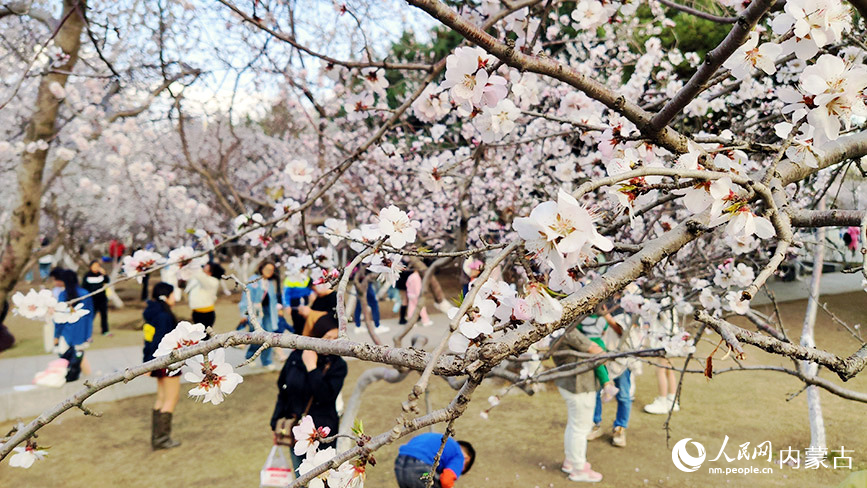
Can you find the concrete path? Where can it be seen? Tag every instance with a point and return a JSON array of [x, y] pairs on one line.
[[20, 399], [832, 284]]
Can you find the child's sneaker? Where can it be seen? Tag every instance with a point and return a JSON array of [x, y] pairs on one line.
[[619, 437], [567, 466], [585, 475], [595, 433]]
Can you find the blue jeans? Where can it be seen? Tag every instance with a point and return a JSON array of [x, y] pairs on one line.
[[410, 472], [266, 354], [624, 401], [374, 308]]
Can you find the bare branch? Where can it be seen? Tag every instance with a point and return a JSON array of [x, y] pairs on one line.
[[699, 13], [846, 368], [825, 218]]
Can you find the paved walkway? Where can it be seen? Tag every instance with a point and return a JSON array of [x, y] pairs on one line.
[[20, 399]]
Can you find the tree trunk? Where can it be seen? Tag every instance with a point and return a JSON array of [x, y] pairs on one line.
[[24, 228], [817, 423]]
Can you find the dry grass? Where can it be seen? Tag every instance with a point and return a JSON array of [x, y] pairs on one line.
[[520, 446]]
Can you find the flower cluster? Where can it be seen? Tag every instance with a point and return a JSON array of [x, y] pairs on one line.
[[141, 261], [256, 234], [184, 262], [813, 25], [731, 278], [185, 334], [36, 305], [497, 303], [308, 436], [561, 234], [213, 375]]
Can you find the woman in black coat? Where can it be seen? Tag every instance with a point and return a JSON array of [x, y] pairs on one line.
[[159, 321], [308, 375]]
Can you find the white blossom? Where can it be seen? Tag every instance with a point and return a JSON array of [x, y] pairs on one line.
[[214, 376]]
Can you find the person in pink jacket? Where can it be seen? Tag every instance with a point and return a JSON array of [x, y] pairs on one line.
[[413, 292]]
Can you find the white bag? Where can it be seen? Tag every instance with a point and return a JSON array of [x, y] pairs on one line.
[[277, 471]]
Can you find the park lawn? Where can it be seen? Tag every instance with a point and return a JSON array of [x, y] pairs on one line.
[[519, 446]]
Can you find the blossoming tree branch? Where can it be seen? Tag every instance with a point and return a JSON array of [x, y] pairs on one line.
[[571, 145]]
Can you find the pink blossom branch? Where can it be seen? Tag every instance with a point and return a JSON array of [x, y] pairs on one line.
[[665, 136], [490, 264], [712, 62]]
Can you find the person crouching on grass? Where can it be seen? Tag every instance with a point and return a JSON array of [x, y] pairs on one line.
[[415, 461]]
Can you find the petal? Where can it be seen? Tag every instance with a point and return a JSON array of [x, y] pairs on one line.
[[458, 343], [764, 228]]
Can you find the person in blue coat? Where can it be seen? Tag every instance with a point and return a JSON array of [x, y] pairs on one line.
[[415, 461], [265, 295], [77, 335]]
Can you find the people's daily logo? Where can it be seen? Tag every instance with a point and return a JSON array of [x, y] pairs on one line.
[[683, 460]]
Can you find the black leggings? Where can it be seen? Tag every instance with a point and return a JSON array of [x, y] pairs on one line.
[[205, 318], [101, 307]]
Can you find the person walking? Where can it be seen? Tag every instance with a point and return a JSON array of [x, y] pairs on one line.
[[72, 337], [373, 303], [579, 392], [202, 290], [413, 293], [663, 325], [310, 383], [619, 370], [296, 292], [263, 293], [415, 461], [95, 279], [400, 284], [159, 321]]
